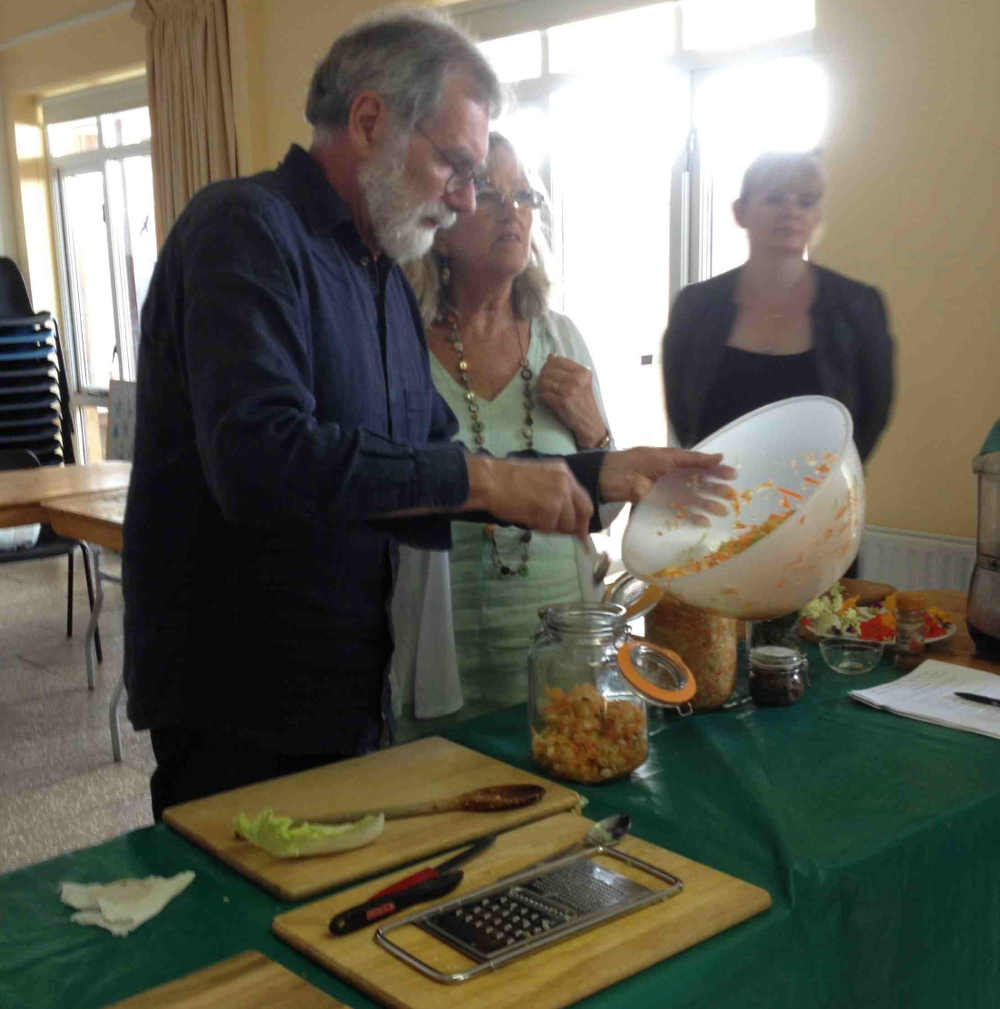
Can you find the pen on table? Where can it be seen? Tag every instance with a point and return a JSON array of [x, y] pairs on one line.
[[978, 698]]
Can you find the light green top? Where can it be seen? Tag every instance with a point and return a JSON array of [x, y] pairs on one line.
[[495, 617], [461, 632]]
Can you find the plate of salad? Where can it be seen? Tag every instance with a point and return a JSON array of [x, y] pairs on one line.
[[837, 614]]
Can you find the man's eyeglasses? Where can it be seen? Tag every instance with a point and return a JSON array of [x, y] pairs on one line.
[[491, 199], [461, 173]]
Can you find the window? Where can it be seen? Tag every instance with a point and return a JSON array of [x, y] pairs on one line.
[[640, 124], [102, 189], [739, 111]]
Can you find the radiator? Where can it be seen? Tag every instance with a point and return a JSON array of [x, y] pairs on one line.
[[913, 560]]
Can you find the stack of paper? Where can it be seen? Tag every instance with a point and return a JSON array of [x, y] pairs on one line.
[[928, 694]]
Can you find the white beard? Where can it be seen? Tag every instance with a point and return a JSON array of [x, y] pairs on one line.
[[400, 225]]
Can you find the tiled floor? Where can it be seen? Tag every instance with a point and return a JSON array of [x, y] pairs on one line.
[[59, 786]]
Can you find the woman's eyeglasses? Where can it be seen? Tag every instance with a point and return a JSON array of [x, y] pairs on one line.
[[491, 199]]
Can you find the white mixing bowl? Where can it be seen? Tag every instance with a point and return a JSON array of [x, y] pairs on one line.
[[804, 445]]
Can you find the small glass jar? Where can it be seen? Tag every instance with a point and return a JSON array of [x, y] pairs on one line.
[[910, 609], [588, 685], [777, 675]]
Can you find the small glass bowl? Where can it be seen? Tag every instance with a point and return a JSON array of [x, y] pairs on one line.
[[851, 656]]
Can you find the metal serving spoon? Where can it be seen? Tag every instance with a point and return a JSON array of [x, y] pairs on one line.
[[602, 834]]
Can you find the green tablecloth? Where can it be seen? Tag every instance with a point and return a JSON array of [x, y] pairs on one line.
[[878, 838]]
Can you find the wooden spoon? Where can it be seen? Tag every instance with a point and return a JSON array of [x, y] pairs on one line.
[[492, 799]]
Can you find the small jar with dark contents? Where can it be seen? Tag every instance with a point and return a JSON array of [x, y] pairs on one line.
[[777, 675], [910, 609]]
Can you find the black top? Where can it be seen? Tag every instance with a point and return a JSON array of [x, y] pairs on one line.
[[853, 352], [284, 400], [747, 380]]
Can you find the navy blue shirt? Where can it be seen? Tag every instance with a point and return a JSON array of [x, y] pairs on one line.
[[284, 399]]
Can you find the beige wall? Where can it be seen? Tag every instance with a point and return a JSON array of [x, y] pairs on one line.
[[18, 19], [81, 55], [912, 206]]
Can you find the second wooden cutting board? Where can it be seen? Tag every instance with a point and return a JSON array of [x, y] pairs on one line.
[[561, 975], [426, 769], [245, 981]]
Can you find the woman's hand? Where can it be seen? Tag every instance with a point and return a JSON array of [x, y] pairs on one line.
[[567, 389], [629, 476]]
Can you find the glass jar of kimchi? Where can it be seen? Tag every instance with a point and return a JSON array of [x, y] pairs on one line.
[[589, 682]]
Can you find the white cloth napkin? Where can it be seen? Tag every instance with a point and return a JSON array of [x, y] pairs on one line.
[[424, 668], [125, 904]]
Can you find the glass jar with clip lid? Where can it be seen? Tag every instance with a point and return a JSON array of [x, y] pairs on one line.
[[778, 675], [589, 682]]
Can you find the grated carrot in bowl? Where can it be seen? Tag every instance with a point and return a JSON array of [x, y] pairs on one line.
[[729, 548]]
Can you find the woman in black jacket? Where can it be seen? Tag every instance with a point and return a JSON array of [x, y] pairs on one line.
[[778, 326]]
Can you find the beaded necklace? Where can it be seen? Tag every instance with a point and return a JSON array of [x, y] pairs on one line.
[[454, 337]]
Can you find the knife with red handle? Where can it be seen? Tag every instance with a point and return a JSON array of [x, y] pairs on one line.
[[433, 871], [377, 908]]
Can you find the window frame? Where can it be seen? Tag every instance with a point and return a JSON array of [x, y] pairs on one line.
[[88, 103], [692, 202]]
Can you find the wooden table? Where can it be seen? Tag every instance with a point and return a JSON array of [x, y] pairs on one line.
[[97, 518], [24, 492], [84, 502]]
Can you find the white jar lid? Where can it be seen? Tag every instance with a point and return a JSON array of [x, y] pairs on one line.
[[776, 656]]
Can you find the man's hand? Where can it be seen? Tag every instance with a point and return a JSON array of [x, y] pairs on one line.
[[542, 495], [629, 476]]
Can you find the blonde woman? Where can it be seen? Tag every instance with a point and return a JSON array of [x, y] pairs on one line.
[[779, 325], [518, 377]]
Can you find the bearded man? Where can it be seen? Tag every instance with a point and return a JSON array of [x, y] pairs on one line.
[[288, 433]]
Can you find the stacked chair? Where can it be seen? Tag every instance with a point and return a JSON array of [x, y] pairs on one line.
[[36, 425], [32, 385]]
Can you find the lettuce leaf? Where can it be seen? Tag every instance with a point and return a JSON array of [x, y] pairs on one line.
[[824, 612], [281, 837]]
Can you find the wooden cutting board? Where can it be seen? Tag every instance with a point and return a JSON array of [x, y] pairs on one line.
[[566, 972], [426, 769], [244, 981]]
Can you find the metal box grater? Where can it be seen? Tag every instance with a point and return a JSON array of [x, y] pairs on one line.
[[531, 910]]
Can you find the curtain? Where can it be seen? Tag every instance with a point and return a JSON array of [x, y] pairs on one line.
[[190, 100]]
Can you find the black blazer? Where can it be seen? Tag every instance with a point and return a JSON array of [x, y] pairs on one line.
[[854, 351]]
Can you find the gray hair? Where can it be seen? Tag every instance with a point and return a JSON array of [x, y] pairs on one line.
[[405, 55], [529, 292]]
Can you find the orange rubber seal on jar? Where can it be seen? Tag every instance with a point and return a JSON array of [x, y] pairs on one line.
[[647, 688]]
